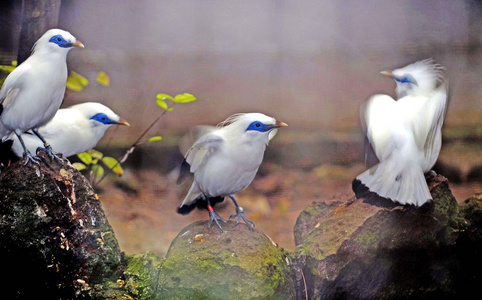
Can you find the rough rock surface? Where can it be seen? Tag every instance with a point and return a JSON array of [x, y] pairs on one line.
[[360, 250], [54, 238], [238, 263]]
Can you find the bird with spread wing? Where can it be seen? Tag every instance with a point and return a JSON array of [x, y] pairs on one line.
[[405, 134]]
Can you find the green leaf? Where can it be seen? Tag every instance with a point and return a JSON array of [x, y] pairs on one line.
[[76, 82], [162, 104], [98, 171], [184, 98], [164, 96], [81, 79], [95, 154], [113, 165], [8, 69], [79, 166], [85, 157], [103, 79], [155, 139]]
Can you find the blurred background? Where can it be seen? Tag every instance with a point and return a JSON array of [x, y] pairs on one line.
[[308, 63]]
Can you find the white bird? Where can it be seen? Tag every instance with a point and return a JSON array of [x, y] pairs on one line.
[[405, 134], [225, 161], [73, 130], [33, 92]]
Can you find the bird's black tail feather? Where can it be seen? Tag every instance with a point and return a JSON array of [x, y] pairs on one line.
[[7, 156], [362, 191], [200, 203]]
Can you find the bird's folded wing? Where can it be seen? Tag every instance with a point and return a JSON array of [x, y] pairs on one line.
[[428, 123], [202, 149], [12, 83], [193, 134], [376, 116]]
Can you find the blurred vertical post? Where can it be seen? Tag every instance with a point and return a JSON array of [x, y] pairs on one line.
[[38, 16]]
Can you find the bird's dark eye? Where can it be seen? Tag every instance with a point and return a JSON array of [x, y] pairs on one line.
[[103, 118], [258, 125], [59, 39]]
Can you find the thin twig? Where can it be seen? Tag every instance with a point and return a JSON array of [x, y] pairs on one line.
[[304, 283], [131, 148]]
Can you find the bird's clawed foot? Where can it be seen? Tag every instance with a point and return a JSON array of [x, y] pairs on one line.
[[213, 216], [430, 174], [28, 157], [48, 150], [240, 215]]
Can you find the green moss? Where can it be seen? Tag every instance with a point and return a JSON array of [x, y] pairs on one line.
[[142, 275], [367, 239], [235, 264]]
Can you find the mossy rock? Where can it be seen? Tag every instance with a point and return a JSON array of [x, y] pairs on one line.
[[366, 250], [55, 240], [237, 263]]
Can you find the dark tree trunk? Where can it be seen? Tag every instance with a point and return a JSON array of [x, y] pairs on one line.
[[37, 17]]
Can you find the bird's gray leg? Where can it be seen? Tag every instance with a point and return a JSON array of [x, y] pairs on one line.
[[240, 214], [26, 154], [213, 216], [47, 148]]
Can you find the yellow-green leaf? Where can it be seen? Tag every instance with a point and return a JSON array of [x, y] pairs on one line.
[[79, 166], [103, 79], [184, 98], [74, 85], [98, 171], [155, 139], [164, 96], [9, 69], [162, 104], [81, 79], [95, 154], [85, 157], [76, 82], [113, 165]]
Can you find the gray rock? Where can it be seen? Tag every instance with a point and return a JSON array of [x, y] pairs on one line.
[[238, 263], [361, 250], [55, 240]]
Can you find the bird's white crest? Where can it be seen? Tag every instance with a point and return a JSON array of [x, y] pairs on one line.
[[71, 131], [426, 73], [43, 42], [406, 135]]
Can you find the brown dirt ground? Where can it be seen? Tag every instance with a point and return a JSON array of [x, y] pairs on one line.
[[144, 215]]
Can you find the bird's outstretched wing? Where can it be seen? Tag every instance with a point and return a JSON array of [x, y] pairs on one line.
[[202, 149], [427, 125], [376, 115]]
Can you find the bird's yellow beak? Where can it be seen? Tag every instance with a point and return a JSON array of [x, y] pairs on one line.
[[280, 124], [387, 73], [78, 44], [123, 122]]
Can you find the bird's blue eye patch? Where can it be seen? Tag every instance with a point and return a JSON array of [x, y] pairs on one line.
[[259, 126], [59, 40], [407, 78], [103, 118]]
